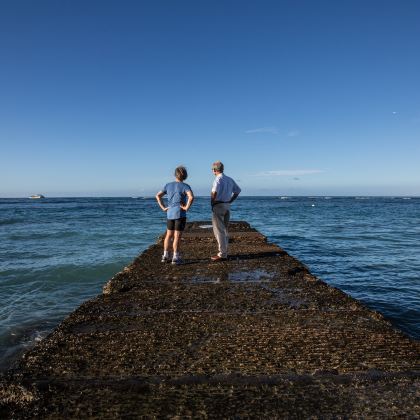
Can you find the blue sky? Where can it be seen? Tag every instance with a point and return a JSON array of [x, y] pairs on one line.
[[106, 98]]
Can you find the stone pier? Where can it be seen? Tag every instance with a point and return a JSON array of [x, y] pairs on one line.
[[256, 336]]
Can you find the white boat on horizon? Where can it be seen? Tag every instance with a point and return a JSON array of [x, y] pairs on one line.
[[36, 196]]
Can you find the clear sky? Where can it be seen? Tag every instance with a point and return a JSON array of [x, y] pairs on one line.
[[106, 98]]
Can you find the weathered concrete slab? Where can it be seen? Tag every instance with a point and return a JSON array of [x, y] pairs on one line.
[[256, 336]]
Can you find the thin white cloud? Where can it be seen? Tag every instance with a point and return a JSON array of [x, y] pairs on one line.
[[291, 172], [271, 130]]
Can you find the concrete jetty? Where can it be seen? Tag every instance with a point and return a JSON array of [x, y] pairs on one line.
[[256, 336]]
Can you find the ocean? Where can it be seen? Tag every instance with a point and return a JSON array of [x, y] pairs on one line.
[[55, 253]]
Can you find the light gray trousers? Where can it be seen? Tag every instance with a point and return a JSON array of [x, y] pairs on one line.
[[220, 220]]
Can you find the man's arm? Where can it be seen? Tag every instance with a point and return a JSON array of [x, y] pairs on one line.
[[159, 196], [213, 198], [236, 191], [234, 197]]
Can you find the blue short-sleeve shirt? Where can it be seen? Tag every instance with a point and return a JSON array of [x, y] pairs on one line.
[[177, 195]]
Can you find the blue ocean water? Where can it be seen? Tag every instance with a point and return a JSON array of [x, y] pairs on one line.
[[57, 253]]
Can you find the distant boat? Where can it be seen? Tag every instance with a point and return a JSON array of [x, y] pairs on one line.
[[36, 196]]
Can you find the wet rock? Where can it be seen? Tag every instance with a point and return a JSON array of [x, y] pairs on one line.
[[255, 336]]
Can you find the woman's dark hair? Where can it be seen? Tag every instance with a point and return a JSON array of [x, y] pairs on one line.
[[181, 173]]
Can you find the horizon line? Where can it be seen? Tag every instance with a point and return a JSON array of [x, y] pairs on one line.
[[207, 196]]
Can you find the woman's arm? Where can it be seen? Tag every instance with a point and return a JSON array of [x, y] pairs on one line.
[[159, 196], [190, 196]]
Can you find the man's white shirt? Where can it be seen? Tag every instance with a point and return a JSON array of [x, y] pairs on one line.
[[224, 186]]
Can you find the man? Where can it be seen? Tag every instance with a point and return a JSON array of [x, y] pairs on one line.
[[224, 192]]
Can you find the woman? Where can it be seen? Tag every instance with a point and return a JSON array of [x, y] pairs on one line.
[[180, 197]]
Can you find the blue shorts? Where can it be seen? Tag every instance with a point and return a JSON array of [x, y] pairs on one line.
[[176, 224]]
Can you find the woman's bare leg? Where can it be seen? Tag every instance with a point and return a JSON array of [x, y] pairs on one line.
[[168, 240], [177, 240]]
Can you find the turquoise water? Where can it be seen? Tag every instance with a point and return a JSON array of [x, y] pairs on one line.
[[56, 253]]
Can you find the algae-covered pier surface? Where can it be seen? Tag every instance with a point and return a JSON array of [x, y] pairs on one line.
[[255, 336]]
